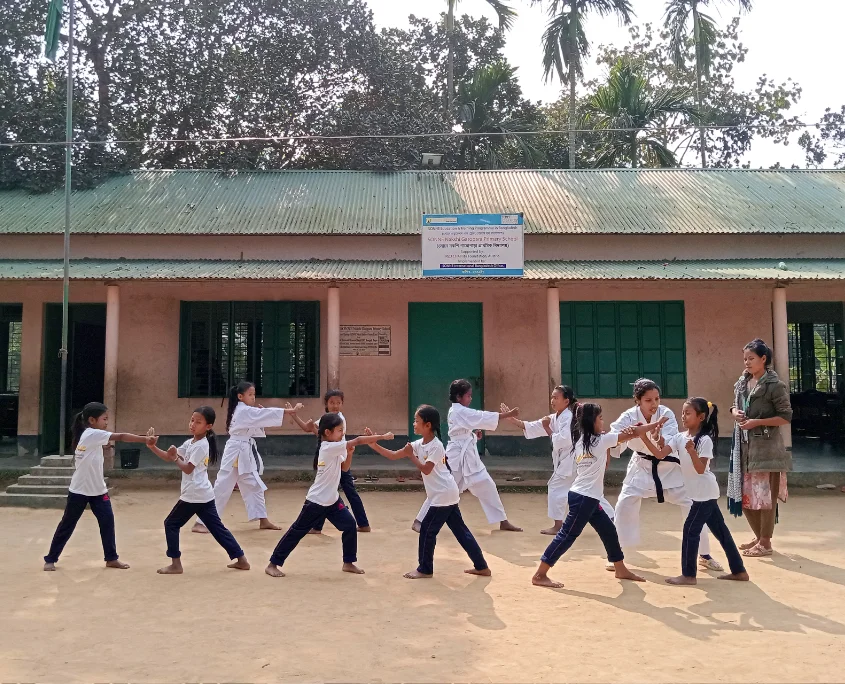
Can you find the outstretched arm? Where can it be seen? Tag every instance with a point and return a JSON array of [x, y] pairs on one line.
[[368, 439], [655, 450], [307, 426], [504, 408], [639, 430]]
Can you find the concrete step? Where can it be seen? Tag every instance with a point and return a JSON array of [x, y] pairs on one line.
[[57, 461], [51, 470], [37, 499], [51, 481], [37, 489]]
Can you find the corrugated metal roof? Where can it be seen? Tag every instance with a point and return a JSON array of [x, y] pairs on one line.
[[331, 270], [370, 203]]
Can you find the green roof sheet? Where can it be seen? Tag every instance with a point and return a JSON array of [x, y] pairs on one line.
[[369, 203], [339, 270]]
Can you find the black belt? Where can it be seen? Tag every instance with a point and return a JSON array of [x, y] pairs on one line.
[[658, 485]]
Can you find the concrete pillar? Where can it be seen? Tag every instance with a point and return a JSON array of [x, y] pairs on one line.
[[553, 320], [780, 336], [112, 329], [29, 397], [333, 339]]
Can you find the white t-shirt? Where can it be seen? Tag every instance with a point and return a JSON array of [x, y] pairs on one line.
[[195, 487], [590, 466], [88, 477], [699, 487], [440, 487], [324, 490]]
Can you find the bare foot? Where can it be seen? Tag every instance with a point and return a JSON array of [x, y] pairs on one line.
[[749, 545], [175, 568], [49, 567], [199, 528], [509, 527], [240, 564], [351, 567], [481, 573], [273, 571], [735, 576], [417, 526], [117, 564], [622, 572], [553, 530], [315, 531], [416, 574], [541, 579], [681, 580], [265, 524], [366, 528]]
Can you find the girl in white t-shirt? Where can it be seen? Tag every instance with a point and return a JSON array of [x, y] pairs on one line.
[[197, 495], [334, 455], [694, 448], [590, 449], [429, 456], [87, 485]]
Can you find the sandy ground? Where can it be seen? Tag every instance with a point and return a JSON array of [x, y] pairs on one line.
[[86, 623]]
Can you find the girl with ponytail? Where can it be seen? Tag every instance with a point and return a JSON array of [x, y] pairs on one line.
[[695, 448], [241, 463], [558, 427], [197, 495], [334, 455], [429, 457], [90, 434]]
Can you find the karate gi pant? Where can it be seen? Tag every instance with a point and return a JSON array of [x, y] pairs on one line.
[[559, 498], [252, 490], [627, 517], [481, 486]]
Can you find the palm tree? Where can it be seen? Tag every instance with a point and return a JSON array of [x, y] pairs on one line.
[[678, 14], [506, 15], [565, 44], [632, 117], [478, 114]]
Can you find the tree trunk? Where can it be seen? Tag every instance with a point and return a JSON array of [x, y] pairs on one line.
[[573, 55], [450, 57], [634, 162], [697, 36]]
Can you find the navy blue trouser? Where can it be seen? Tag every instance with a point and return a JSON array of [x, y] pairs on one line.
[[75, 507], [338, 515], [207, 512], [347, 484], [583, 510], [434, 520], [701, 513]]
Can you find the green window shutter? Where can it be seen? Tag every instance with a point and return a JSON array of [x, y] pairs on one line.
[[567, 360], [184, 349], [674, 354], [276, 349], [291, 349]]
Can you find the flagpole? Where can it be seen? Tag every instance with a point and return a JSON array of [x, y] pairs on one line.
[[66, 279]]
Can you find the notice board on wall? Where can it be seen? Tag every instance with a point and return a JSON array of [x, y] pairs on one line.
[[365, 340]]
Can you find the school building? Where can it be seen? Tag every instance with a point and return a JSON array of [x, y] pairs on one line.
[[183, 282]]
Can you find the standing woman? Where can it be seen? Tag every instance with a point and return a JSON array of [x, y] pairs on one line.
[[759, 459]]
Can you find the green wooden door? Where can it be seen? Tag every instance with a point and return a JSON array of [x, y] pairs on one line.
[[445, 342]]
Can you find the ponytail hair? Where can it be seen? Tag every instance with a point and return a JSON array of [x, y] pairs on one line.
[[210, 416], [234, 391], [584, 426], [568, 393], [94, 410], [710, 424], [328, 421], [429, 414]]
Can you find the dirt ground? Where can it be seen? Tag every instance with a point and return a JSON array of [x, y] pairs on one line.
[[86, 623]]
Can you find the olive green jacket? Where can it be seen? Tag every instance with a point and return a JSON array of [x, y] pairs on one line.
[[765, 451]]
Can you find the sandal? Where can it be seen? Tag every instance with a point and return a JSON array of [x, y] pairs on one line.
[[749, 545], [757, 552]]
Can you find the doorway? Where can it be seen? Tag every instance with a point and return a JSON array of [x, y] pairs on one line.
[[85, 370], [445, 342]]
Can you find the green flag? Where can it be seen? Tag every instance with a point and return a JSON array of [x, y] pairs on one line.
[[54, 27]]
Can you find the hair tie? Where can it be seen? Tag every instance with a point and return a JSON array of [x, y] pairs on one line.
[[710, 404]]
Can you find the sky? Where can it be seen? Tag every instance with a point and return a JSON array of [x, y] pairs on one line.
[[801, 40]]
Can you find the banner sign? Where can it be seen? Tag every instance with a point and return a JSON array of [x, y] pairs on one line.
[[472, 245]]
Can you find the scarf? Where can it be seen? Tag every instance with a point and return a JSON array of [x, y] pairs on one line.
[[735, 470]]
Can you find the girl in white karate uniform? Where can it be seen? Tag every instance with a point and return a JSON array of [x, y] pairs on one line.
[[649, 477], [465, 461], [241, 463], [558, 426]]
